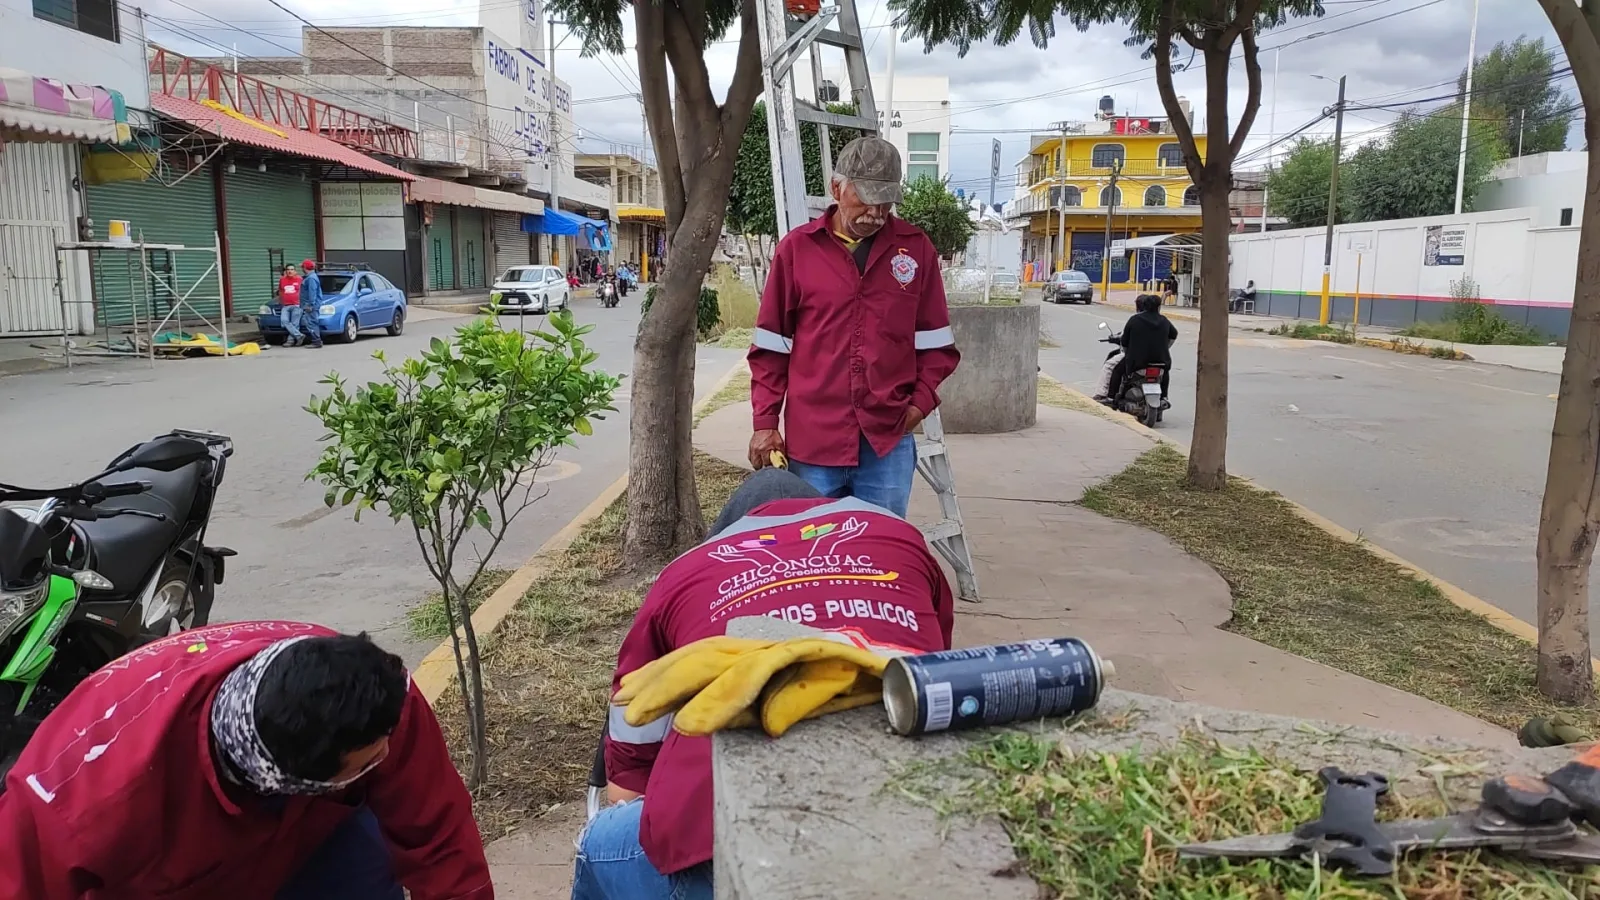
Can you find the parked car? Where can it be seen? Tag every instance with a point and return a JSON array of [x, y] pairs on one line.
[[1005, 284], [531, 289], [1069, 286], [354, 299]]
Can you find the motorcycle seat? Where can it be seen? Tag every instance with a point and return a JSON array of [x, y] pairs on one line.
[[126, 548]]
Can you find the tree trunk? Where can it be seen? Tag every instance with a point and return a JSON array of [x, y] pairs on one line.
[[1208, 448], [1571, 511], [664, 516]]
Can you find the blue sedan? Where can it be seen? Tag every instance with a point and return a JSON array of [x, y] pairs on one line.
[[352, 302]]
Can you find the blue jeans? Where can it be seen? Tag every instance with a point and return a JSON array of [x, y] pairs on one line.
[[880, 480], [612, 866], [310, 325], [290, 316], [353, 864]]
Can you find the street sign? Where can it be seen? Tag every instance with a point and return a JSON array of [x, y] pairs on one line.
[[994, 160]]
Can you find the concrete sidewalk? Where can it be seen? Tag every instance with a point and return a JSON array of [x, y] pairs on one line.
[[1049, 568]]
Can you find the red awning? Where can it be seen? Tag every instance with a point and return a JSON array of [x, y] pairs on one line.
[[239, 128]]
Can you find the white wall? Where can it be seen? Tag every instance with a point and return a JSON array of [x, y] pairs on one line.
[[921, 106], [49, 50], [1512, 259], [1549, 183]]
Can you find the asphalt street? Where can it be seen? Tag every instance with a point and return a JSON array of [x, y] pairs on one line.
[[1440, 462], [297, 558]]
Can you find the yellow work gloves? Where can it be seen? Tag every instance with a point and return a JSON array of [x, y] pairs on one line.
[[727, 682]]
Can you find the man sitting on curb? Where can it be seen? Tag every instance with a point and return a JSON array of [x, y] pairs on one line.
[[778, 549], [249, 761]]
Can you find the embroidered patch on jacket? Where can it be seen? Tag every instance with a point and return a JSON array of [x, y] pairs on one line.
[[903, 268]]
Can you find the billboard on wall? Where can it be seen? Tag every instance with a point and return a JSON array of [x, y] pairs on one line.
[[1444, 245], [523, 100]]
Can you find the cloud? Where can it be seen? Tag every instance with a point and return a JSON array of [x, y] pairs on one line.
[[1001, 92]]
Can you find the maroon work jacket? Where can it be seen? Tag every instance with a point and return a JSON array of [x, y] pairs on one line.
[[842, 353]]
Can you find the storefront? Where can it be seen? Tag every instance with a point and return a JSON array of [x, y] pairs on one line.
[[41, 126], [464, 228], [576, 240], [184, 213], [512, 245], [271, 221]]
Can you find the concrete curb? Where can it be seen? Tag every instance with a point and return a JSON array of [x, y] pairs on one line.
[[1496, 616], [438, 669]]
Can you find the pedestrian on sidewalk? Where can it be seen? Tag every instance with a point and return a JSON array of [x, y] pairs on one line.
[[289, 304], [253, 761], [852, 339], [311, 303], [656, 842]]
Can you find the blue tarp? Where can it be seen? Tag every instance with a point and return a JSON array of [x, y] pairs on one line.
[[565, 224]]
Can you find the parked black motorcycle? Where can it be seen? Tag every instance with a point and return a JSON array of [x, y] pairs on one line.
[[93, 570], [1139, 394]]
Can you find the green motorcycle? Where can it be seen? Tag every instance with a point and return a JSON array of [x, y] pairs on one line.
[[91, 571]]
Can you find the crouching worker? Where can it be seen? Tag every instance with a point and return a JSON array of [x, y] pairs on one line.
[[248, 761], [778, 549]]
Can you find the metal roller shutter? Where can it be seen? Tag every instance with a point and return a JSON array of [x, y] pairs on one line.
[[441, 251], [36, 213], [266, 211], [511, 243], [184, 213], [469, 238]]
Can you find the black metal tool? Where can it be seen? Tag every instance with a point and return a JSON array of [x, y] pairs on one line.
[[1520, 815]]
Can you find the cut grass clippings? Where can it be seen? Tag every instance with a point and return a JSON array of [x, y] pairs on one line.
[[1095, 825], [1300, 589], [547, 668], [428, 621]]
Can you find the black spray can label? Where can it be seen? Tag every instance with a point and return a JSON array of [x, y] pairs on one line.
[[979, 686]]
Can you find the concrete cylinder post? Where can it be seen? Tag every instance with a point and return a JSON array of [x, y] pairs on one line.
[[996, 387]]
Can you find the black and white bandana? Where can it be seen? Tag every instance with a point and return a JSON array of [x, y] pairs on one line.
[[233, 727]]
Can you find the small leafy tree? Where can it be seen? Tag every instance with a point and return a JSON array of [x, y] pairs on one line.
[[450, 441], [930, 206]]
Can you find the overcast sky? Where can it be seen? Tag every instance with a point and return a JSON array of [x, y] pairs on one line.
[[1392, 50]]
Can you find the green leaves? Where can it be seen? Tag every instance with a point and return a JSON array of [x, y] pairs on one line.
[[439, 433], [929, 205]]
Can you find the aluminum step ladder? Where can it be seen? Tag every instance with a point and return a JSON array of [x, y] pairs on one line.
[[785, 38]]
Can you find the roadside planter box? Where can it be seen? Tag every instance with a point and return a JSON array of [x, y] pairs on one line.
[[996, 387]]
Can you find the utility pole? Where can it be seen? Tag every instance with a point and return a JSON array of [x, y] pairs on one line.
[[1466, 109], [553, 151], [888, 89], [1333, 202], [1061, 176], [1272, 135], [1111, 211], [1522, 123]]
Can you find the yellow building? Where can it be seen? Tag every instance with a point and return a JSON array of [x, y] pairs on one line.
[[1069, 178]]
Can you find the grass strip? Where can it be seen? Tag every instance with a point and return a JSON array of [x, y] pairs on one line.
[[737, 390], [547, 669], [1095, 825], [428, 621], [1300, 589]]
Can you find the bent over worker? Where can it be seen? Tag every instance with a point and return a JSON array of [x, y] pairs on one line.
[[252, 761], [852, 339], [778, 549]]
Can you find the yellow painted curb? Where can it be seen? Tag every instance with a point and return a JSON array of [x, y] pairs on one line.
[[1404, 346], [438, 669], [1496, 616]]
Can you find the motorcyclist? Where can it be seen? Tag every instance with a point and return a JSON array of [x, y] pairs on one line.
[[1147, 340]]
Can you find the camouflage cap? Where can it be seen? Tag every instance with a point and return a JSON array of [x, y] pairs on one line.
[[872, 164]]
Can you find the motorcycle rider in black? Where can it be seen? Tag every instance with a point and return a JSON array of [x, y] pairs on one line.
[[1146, 340]]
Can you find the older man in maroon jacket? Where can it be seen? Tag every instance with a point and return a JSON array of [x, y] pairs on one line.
[[852, 339]]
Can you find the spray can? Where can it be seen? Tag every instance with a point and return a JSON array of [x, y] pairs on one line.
[[976, 687]]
